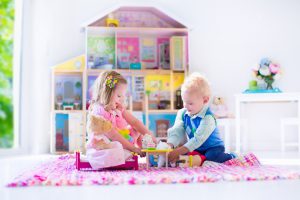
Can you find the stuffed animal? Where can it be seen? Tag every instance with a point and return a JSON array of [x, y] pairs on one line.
[[219, 108], [98, 125], [101, 143]]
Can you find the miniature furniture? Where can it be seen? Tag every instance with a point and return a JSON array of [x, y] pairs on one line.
[[84, 165], [283, 133], [156, 152], [146, 46], [261, 98]]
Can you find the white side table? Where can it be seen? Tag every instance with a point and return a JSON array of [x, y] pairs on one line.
[[226, 124], [257, 98]]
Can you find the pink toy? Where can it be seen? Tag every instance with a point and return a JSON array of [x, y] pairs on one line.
[[84, 165]]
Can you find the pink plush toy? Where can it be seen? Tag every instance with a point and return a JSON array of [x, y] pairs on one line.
[[219, 108]]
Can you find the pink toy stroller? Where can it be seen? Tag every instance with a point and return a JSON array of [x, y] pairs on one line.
[[84, 165]]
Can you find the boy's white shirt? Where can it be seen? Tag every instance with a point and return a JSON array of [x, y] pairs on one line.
[[177, 135]]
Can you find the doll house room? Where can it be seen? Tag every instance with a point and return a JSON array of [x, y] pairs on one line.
[[246, 51]]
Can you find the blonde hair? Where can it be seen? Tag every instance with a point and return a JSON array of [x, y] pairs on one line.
[[102, 92], [196, 82]]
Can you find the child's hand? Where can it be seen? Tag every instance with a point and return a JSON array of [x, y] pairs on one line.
[[139, 152], [171, 145], [121, 106], [153, 138], [174, 155]]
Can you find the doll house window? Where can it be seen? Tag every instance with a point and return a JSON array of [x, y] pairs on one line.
[[162, 127]]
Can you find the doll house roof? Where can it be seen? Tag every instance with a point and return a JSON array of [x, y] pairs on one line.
[[74, 64], [137, 16]]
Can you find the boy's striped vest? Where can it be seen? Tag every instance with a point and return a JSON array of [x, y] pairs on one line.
[[191, 125]]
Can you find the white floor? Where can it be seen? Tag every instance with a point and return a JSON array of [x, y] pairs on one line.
[[10, 167]]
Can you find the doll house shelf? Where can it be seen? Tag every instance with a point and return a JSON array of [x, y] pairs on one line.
[[147, 46]]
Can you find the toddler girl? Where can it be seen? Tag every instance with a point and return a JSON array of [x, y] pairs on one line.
[[109, 92]]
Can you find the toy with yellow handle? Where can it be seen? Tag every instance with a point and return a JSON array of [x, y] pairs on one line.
[[126, 134], [190, 160], [111, 21]]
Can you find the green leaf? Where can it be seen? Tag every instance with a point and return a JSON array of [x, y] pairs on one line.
[[6, 58]]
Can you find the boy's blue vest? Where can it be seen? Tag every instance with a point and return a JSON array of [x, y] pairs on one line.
[[191, 125]]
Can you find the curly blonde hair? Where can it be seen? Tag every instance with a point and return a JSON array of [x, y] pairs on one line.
[[196, 82], [102, 92]]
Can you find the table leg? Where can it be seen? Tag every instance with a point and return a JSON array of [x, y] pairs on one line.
[[167, 163], [227, 135], [298, 124], [147, 160], [237, 125]]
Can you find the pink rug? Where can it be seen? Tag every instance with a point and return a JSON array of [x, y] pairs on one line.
[[61, 172]]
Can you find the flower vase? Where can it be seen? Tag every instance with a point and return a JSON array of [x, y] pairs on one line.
[[269, 81]]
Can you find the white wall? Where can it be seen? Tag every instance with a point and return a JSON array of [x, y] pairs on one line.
[[228, 37]]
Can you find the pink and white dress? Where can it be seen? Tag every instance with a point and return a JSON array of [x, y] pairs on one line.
[[116, 155]]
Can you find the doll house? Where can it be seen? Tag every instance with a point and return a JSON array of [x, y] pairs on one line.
[[146, 46]]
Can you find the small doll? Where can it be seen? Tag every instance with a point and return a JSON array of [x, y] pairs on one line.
[[147, 142]]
